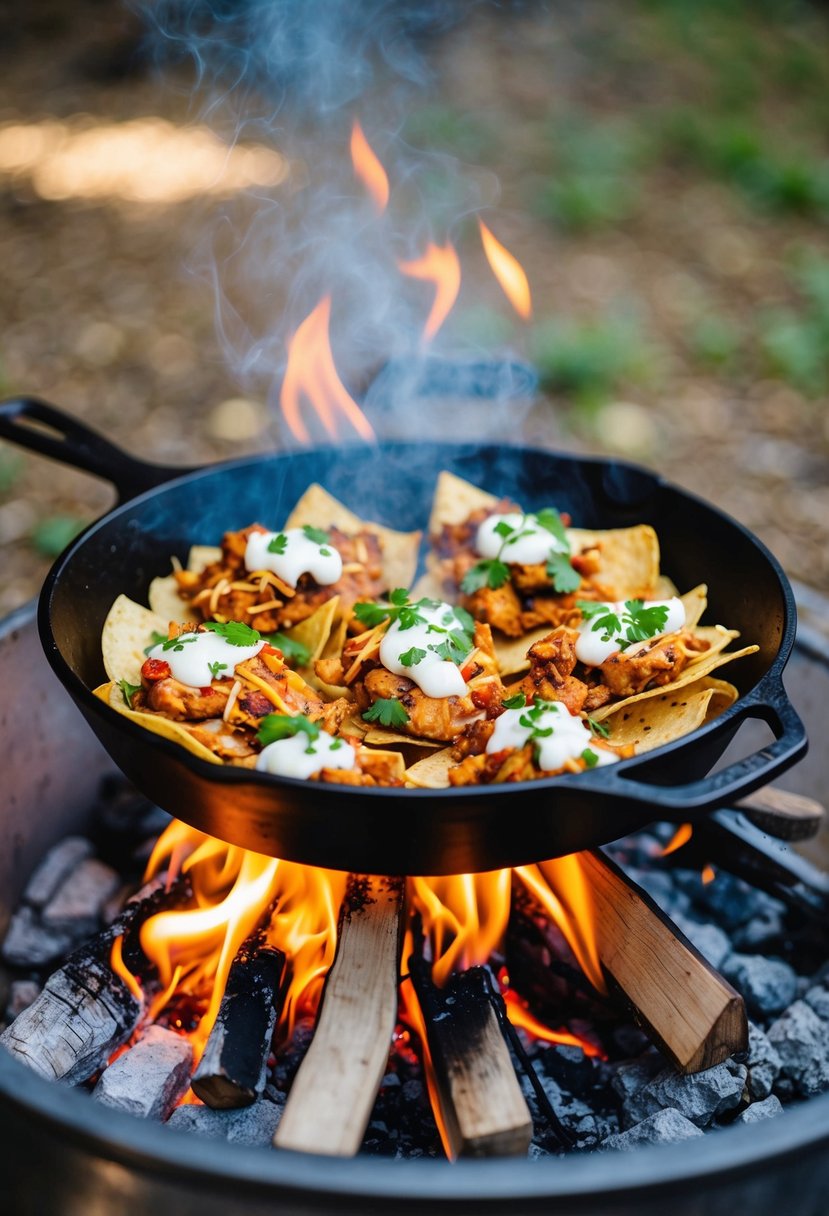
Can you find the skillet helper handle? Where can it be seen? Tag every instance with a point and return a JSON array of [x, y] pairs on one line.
[[49, 431], [770, 704]]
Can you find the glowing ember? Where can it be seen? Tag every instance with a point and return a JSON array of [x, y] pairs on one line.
[[509, 273], [680, 837], [311, 374], [708, 874], [520, 1016], [368, 168], [439, 265]]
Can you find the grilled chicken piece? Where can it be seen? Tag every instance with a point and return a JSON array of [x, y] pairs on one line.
[[439, 718], [550, 678], [183, 703], [661, 661], [498, 768]]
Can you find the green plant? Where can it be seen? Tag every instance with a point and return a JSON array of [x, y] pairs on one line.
[[794, 347], [53, 533], [590, 360], [716, 342]]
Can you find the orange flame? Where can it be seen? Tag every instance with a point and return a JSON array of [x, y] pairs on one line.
[[680, 837], [311, 374], [563, 891], [708, 874], [465, 917], [368, 168], [520, 1016], [441, 266], [509, 272]]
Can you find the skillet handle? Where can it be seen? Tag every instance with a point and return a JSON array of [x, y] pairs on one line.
[[770, 704], [49, 431]]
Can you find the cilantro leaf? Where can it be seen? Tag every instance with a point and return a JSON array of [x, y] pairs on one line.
[[642, 623], [278, 544], [158, 638], [590, 758], [274, 727], [388, 711], [549, 519], [412, 657], [292, 650], [465, 619], [516, 702], [317, 535], [178, 644], [371, 615], [128, 691], [490, 572], [564, 577], [399, 608], [503, 528], [215, 668], [455, 648], [235, 633], [598, 728]]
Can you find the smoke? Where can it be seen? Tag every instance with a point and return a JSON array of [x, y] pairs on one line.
[[295, 74]]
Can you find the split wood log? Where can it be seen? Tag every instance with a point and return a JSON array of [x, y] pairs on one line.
[[333, 1093], [782, 814], [233, 1067], [687, 1008], [85, 1010], [482, 1109]]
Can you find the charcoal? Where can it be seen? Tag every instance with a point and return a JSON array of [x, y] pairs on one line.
[[21, 995], [701, 1097], [818, 997], [55, 867], [633, 1075], [664, 1127], [29, 943], [254, 1124], [662, 889], [762, 932], [150, 1078], [79, 901], [764, 1063], [800, 1039], [732, 901], [768, 984], [536, 1151], [712, 943], [766, 1109]]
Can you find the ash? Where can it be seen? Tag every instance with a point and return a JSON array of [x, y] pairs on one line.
[[626, 1096]]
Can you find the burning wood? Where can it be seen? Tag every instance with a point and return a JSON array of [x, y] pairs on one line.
[[782, 814], [482, 1109], [333, 1092], [150, 1078], [233, 1066], [689, 1010]]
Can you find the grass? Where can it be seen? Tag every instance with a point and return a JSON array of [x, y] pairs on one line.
[[593, 181], [591, 361]]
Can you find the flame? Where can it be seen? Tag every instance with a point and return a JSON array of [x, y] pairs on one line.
[[509, 272], [441, 266], [465, 917], [520, 1016], [563, 891], [680, 837], [368, 168], [708, 874], [311, 373]]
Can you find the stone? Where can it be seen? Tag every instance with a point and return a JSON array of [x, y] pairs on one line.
[[150, 1078], [764, 1063], [21, 995], [711, 942], [818, 997], [55, 867], [29, 943], [79, 901], [664, 1127], [800, 1039], [768, 984], [634, 1075], [766, 1109], [761, 932], [700, 1097], [254, 1124]]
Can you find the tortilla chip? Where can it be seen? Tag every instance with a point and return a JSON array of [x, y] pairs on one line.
[[202, 556], [695, 603], [693, 672], [664, 588], [428, 586], [400, 549], [671, 715], [379, 736], [455, 500], [164, 594], [511, 653], [431, 773], [128, 631], [315, 631], [167, 729], [383, 759], [628, 559]]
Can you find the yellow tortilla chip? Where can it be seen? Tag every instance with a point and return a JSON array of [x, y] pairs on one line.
[[167, 729], [628, 559], [379, 736], [393, 760], [315, 631], [693, 672], [164, 594], [671, 714], [400, 549], [128, 631], [694, 603], [202, 556], [455, 500], [431, 773], [664, 588]]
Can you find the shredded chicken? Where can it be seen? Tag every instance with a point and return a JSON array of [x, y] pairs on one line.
[[659, 662]]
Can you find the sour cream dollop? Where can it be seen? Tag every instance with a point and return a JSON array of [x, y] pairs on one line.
[[592, 650], [303, 758], [191, 656], [528, 544], [569, 736], [300, 555], [436, 676]]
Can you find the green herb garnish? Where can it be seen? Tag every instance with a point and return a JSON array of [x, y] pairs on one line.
[[412, 657], [561, 573], [590, 758], [235, 633], [178, 643], [598, 728], [516, 702], [278, 543], [215, 668], [293, 651], [128, 691], [635, 624], [493, 572], [317, 535], [158, 639], [399, 608], [490, 572], [274, 727], [388, 711]]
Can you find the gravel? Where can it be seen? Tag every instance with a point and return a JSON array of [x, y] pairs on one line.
[[664, 1127]]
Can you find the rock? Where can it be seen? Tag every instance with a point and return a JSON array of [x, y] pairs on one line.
[[536, 1151], [254, 1124], [29, 943], [818, 997], [665, 1127], [701, 1097], [634, 1075], [21, 995], [711, 942], [764, 1063], [79, 901], [760, 932], [761, 1110], [55, 868], [150, 1078], [799, 1037], [768, 984]]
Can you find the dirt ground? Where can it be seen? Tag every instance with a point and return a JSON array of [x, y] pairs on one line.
[[680, 279]]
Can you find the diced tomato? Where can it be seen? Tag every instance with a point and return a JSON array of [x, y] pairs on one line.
[[268, 649], [155, 669], [205, 692]]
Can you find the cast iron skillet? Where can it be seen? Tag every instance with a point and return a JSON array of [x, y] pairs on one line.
[[163, 511]]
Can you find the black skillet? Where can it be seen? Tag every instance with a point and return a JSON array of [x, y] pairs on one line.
[[162, 511]]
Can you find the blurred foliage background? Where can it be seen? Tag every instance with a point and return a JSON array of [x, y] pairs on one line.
[[664, 178]]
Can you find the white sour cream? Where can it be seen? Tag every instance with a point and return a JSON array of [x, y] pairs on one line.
[[570, 736], [191, 663], [528, 545], [436, 676], [592, 651], [301, 556], [302, 758]]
